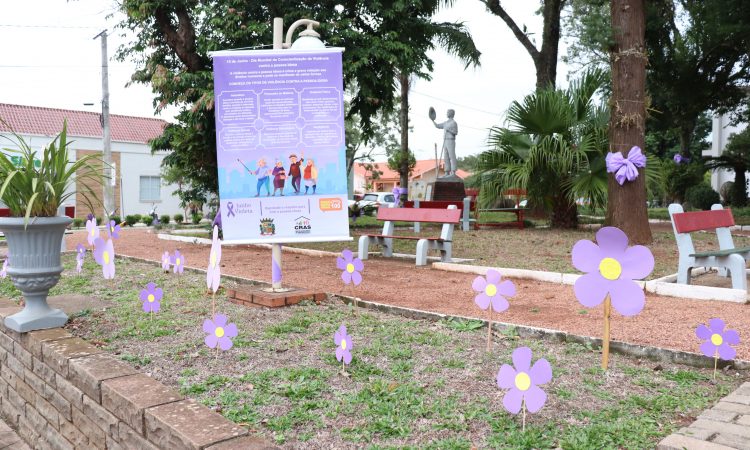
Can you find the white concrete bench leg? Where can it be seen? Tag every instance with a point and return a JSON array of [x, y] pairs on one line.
[[422, 246], [736, 265], [387, 244], [445, 252], [683, 272], [364, 247]]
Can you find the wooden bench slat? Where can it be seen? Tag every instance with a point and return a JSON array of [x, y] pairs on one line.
[[420, 215], [727, 252], [688, 222]]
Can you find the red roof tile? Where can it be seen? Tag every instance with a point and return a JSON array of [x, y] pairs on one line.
[[48, 122], [422, 166]]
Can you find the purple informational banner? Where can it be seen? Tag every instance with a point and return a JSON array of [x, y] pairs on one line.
[[280, 145]]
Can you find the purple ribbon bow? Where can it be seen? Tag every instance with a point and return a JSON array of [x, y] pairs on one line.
[[626, 168]]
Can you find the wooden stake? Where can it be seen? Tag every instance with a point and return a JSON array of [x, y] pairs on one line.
[[489, 328], [605, 338], [523, 417], [213, 304], [716, 362]]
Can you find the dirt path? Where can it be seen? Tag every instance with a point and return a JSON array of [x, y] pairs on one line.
[[665, 322]]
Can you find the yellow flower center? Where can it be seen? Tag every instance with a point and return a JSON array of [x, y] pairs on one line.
[[716, 339], [213, 259], [523, 381], [219, 332], [490, 290], [343, 344], [92, 231], [177, 261], [151, 298], [610, 268], [105, 257], [350, 268], [112, 229]]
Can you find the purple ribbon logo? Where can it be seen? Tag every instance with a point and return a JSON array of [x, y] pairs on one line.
[[626, 168], [230, 209]]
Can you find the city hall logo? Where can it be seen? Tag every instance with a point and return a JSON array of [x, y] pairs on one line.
[[267, 228], [302, 225]]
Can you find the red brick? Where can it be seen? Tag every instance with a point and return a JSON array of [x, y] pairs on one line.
[[128, 397], [87, 373], [243, 295], [231, 293], [188, 425], [271, 302]]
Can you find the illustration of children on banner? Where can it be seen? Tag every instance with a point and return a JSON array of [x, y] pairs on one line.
[[295, 172], [310, 176]]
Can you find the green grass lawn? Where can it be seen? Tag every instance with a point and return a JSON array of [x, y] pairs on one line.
[[411, 384]]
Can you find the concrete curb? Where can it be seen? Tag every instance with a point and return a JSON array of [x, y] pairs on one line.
[[662, 286]]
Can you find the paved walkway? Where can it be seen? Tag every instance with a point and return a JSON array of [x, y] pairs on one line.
[[725, 426], [9, 439]]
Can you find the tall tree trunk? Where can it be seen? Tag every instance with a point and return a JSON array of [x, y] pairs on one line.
[[403, 170], [626, 205], [739, 190], [564, 212], [686, 137]]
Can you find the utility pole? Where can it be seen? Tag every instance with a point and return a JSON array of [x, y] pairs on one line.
[[109, 174]]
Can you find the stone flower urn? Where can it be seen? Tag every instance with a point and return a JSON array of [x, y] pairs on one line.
[[34, 267]]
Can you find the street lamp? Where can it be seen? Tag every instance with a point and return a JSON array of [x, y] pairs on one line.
[[308, 39]]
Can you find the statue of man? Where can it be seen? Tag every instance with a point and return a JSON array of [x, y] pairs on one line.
[[450, 128]]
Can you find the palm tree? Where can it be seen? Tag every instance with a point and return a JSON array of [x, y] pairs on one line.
[[736, 157], [554, 146]]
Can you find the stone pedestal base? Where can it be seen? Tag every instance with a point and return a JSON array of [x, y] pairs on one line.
[[248, 296], [449, 189]]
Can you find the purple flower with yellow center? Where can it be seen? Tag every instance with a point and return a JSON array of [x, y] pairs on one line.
[[165, 261], [717, 339], [178, 262], [343, 345], [151, 298], [104, 254], [492, 291], [213, 272], [523, 381], [4, 271], [351, 267], [219, 332], [114, 229], [80, 251], [92, 231], [611, 267]]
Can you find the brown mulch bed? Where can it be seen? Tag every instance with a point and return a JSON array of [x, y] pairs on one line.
[[667, 322]]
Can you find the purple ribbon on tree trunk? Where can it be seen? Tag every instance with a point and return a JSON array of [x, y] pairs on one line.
[[626, 168]]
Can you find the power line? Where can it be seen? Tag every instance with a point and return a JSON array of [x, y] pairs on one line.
[[10, 25], [457, 104]]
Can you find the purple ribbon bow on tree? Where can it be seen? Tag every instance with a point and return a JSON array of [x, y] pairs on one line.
[[626, 168]]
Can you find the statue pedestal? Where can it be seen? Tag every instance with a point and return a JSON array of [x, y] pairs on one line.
[[448, 189]]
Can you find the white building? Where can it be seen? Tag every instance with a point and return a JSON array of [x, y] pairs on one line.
[[138, 185], [721, 130]]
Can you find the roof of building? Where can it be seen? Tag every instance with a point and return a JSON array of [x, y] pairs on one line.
[[422, 166], [36, 120]]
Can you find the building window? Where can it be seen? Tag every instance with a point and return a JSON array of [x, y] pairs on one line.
[[150, 189]]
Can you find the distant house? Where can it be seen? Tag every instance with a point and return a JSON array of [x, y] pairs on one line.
[[721, 130], [377, 177], [138, 184]]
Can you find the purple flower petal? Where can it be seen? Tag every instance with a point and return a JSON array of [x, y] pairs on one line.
[[482, 300], [349, 343], [347, 254], [512, 400], [731, 337], [627, 297], [340, 263], [155, 306], [144, 295], [586, 256], [726, 352], [535, 398], [493, 276], [346, 276], [612, 241], [717, 325], [522, 359], [220, 320], [703, 332], [541, 372], [637, 263], [347, 357], [507, 289], [339, 353], [506, 377], [499, 303], [337, 337], [708, 349], [146, 307], [356, 278], [230, 330], [225, 343], [358, 265], [479, 284], [208, 326], [211, 340], [590, 289]]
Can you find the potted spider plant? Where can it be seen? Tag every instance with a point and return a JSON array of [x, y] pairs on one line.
[[34, 185]]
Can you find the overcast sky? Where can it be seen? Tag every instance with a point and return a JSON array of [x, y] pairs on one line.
[[49, 58]]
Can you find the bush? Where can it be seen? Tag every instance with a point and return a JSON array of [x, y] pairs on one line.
[[702, 196], [678, 178], [131, 220], [138, 217], [197, 218], [99, 221], [148, 220], [117, 219], [164, 219], [178, 218], [77, 223]]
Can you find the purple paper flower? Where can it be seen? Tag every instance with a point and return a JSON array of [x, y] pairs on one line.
[[350, 266], [151, 298], [717, 339], [80, 251], [679, 159], [114, 229], [343, 345], [178, 262], [104, 254], [92, 231], [165, 261], [4, 271], [89, 216], [523, 380], [625, 168], [79, 265], [492, 291], [611, 267], [213, 272], [218, 332]]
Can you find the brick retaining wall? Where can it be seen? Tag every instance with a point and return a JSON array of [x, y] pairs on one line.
[[60, 392]]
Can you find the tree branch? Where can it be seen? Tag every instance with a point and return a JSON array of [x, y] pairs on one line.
[[495, 8], [182, 39]]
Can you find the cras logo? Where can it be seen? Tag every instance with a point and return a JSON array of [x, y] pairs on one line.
[[267, 228], [302, 225]]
